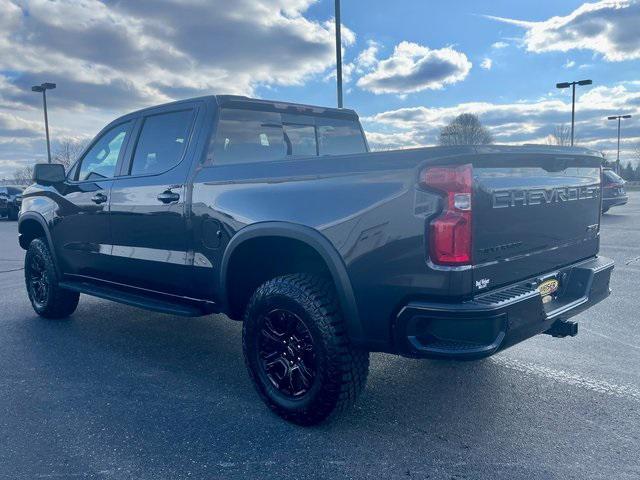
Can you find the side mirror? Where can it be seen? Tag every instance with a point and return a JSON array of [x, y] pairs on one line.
[[48, 173]]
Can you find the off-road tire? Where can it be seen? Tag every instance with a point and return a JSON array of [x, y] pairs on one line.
[[341, 369], [54, 302]]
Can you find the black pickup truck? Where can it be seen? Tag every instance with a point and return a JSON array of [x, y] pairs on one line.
[[10, 198], [278, 214]]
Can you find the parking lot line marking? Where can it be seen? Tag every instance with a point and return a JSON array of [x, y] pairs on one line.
[[637, 347], [12, 270], [599, 386], [632, 260]]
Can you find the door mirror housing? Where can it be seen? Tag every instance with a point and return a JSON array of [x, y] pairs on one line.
[[48, 173]]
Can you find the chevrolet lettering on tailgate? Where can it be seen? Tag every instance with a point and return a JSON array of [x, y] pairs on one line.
[[540, 196]]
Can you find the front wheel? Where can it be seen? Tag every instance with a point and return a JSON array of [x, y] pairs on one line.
[[297, 352], [47, 298]]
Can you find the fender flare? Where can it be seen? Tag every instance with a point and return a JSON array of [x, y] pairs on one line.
[[320, 244], [38, 218]]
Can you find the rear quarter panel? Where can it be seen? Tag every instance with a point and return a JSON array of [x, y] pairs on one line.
[[367, 206]]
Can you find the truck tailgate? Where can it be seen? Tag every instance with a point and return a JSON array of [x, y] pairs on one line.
[[532, 214]]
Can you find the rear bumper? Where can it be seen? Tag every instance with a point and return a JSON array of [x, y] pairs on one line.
[[614, 201], [501, 318]]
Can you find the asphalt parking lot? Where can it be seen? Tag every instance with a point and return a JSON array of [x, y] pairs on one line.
[[118, 393]]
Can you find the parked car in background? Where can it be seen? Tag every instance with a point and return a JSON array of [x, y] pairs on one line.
[[278, 215], [10, 199], [613, 191]]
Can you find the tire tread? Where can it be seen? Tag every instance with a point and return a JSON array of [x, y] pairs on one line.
[[348, 366], [61, 303]]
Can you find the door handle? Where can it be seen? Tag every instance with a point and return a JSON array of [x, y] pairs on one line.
[[168, 196], [99, 198]]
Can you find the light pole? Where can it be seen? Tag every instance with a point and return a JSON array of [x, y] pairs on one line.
[[43, 88], [338, 54], [573, 99], [618, 117]]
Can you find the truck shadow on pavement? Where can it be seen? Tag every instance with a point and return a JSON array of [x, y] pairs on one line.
[[122, 383], [193, 369]]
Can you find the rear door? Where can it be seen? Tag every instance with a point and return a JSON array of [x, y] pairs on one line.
[[533, 214], [148, 198]]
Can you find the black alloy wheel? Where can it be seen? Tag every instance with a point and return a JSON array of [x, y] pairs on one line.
[[287, 356], [37, 279], [297, 350], [41, 279]]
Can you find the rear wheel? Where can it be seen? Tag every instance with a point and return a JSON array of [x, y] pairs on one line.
[[47, 298], [297, 351]]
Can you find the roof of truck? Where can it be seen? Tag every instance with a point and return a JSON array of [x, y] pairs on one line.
[[258, 103], [278, 105]]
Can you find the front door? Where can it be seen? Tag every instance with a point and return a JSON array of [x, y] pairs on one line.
[[148, 224], [81, 231]]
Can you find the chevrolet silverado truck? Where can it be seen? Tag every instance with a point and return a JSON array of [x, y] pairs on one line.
[[278, 215]]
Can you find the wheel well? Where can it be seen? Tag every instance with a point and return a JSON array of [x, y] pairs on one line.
[[260, 259], [29, 230]]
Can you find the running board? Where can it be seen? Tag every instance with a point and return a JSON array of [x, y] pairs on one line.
[[140, 300]]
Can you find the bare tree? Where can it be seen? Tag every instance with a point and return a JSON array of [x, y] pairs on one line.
[[24, 175], [561, 136], [68, 151], [465, 129]]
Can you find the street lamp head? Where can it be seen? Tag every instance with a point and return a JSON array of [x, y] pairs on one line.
[[585, 82], [563, 85], [626, 116], [612, 118], [43, 86]]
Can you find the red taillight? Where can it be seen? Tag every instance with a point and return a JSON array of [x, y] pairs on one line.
[[450, 233]]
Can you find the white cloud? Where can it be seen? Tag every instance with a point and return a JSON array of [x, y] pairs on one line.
[[519, 122], [569, 64], [136, 53], [14, 126], [413, 68], [500, 44], [487, 63], [112, 57], [608, 27], [368, 57]]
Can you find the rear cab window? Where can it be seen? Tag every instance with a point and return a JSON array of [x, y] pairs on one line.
[[245, 135]]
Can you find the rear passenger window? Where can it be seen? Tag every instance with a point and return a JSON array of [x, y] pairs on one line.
[[162, 142], [339, 137], [300, 140], [248, 136]]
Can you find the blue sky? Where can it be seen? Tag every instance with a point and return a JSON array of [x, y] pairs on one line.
[[411, 65]]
